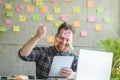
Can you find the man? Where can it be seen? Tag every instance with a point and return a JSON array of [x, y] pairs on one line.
[[43, 56]]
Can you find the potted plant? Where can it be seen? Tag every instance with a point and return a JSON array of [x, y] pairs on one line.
[[113, 45]]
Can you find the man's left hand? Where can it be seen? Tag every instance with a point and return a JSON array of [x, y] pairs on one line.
[[68, 73]]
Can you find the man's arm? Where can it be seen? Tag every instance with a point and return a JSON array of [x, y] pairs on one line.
[[27, 48]]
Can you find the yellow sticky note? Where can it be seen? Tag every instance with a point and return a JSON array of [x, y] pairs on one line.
[[57, 9], [50, 39], [58, 23], [76, 23], [49, 17], [8, 6], [16, 28], [22, 18], [76, 9], [98, 27], [90, 3], [38, 2], [30, 8], [43, 9]]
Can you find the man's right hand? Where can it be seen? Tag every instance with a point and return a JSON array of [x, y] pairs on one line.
[[41, 30]]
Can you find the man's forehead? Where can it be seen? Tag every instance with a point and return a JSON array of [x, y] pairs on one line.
[[66, 33]]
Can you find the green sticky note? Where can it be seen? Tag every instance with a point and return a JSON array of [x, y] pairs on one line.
[[57, 9], [9, 14], [3, 29], [35, 17], [58, 23], [76, 9], [100, 9], [107, 19]]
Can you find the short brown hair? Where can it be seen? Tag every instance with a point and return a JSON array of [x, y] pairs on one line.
[[66, 27]]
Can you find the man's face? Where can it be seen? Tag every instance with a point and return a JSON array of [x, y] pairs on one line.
[[63, 39]]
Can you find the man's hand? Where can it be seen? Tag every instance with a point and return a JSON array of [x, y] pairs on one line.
[[68, 73], [41, 30]]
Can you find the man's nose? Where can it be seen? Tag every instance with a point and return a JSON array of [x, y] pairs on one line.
[[64, 41]]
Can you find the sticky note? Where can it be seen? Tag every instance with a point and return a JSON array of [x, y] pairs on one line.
[[64, 17], [76, 9], [35, 17], [22, 18], [27, 0], [100, 9], [3, 29], [91, 19], [107, 19], [30, 8], [38, 2], [58, 23], [0, 1], [49, 17], [76, 23], [19, 8], [52, 0], [90, 3], [57, 9], [67, 34], [50, 39], [7, 21], [43, 9], [83, 33], [8, 6], [16, 28], [67, 0], [98, 27], [9, 14]]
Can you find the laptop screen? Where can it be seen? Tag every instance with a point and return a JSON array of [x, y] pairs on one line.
[[94, 65]]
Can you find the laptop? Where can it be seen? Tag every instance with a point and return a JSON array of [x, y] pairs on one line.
[[58, 63], [94, 65]]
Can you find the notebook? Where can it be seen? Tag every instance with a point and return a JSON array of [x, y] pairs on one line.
[[58, 63], [94, 65]]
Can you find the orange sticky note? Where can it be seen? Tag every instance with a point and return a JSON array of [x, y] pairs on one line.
[[30, 8], [83, 33], [43, 9], [76, 23], [52, 0], [98, 27], [90, 3], [49, 38], [67, 0]]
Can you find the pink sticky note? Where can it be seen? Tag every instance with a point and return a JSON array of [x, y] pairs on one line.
[[8, 21], [0, 1], [19, 8], [91, 18], [64, 17], [83, 33], [67, 33]]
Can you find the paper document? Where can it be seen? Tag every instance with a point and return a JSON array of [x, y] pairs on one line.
[[58, 63]]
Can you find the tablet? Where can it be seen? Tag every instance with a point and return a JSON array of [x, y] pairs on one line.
[[58, 63]]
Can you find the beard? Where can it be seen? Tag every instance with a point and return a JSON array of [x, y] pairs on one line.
[[60, 46]]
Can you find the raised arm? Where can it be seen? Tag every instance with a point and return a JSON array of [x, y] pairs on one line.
[[28, 46]]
